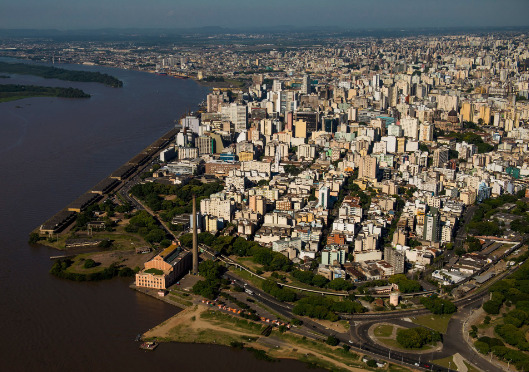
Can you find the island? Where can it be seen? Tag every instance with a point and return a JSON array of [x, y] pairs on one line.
[[49, 72], [12, 92]]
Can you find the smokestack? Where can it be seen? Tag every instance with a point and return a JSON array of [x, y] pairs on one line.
[[195, 237]]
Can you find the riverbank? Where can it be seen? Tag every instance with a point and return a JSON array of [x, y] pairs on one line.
[[202, 324]]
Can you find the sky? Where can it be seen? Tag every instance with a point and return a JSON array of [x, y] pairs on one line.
[[96, 14]]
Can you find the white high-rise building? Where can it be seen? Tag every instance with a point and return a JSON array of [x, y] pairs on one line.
[[410, 127], [323, 197], [237, 114], [376, 82], [305, 85]]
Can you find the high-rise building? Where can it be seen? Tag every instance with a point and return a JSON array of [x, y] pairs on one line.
[[309, 117], [257, 203], [305, 85], [300, 127], [432, 226], [426, 132], [396, 259], [205, 145], [376, 82], [484, 114], [191, 123], [410, 127], [467, 112], [213, 102], [237, 114], [440, 156], [323, 197], [368, 167]]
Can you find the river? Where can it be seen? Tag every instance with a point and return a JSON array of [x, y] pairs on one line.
[[51, 151]]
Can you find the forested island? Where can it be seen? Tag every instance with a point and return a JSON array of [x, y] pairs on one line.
[[11, 92], [49, 72]]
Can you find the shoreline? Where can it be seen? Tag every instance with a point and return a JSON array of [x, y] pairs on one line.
[[200, 324]]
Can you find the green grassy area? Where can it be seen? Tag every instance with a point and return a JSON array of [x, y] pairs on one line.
[[384, 330], [248, 262], [345, 324], [183, 333], [335, 353], [121, 240], [78, 265], [232, 322], [447, 362], [394, 344], [436, 322], [397, 368], [180, 301]]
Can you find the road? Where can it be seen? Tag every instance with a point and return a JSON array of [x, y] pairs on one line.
[[461, 232]]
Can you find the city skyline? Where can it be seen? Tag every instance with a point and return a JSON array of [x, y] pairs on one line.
[[236, 14]]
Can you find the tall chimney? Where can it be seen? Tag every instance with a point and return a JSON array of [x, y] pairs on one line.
[[195, 237]]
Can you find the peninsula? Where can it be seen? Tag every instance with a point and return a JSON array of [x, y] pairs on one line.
[[49, 72], [12, 92]]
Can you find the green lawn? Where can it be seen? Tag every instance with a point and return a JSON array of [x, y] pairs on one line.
[[397, 368], [393, 343], [436, 322], [384, 330], [447, 362]]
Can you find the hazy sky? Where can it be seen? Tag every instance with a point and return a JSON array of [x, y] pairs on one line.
[[77, 14]]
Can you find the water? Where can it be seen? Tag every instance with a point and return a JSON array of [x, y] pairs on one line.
[[51, 151]]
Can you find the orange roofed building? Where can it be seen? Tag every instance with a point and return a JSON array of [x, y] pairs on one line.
[[163, 270]]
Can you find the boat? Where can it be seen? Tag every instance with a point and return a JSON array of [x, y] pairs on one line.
[[149, 345]]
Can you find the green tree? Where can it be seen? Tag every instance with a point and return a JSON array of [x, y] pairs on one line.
[[332, 340]]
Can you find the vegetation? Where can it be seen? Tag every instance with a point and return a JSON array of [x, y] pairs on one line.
[[10, 92], [416, 338], [271, 261], [332, 340], [436, 322], [152, 195], [48, 72], [474, 139], [34, 238], [59, 269], [154, 271], [146, 225], [212, 271], [89, 263], [405, 285], [512, 325], [280, 293], [322, 307], [438, 305]]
